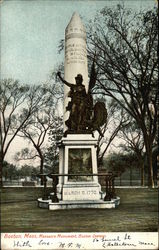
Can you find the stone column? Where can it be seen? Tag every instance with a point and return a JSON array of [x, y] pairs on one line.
[[75, 56]]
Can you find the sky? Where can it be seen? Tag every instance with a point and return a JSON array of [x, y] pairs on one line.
[[31, 31], [30, 35]]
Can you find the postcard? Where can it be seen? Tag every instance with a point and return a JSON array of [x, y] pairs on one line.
[[78, 124]]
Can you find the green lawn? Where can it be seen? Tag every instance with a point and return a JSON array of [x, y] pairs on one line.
[[137, 212]]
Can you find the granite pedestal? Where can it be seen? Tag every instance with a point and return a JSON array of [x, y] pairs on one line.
[[78, 156]]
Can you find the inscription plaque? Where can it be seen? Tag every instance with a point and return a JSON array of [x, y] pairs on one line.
[[81, 193], [75, 53]]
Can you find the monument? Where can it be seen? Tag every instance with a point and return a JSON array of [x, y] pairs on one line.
[[78, 185]]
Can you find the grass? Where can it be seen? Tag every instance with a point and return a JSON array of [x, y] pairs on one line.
[[138, 212]]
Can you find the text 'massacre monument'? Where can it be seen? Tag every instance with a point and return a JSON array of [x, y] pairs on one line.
[[77, 182]]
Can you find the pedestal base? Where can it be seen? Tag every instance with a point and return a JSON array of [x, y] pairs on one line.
[[78, 185], [78, 204]]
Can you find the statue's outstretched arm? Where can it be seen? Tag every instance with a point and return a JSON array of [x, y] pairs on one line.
[[65, 82]]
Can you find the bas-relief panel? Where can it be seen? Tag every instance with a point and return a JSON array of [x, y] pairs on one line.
[[79, 162]]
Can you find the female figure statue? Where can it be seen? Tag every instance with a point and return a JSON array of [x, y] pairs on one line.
[[78, 106]]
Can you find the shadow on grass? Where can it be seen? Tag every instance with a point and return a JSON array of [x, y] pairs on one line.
[[137, 212]]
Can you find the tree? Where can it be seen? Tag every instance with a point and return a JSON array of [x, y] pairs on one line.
[[119, 162], [37, 133], [52, 153], [125, 46], [9, 171], [37, 126], [17, 104], [115, 122], [133, 142], [115, 163], [27, 170]]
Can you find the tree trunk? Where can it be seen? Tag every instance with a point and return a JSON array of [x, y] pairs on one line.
[[1, 180], [142, 174], [41, 168], [1, 169], [130, 176], [148, 146], [41, 162], [150, 170], [120, 180]]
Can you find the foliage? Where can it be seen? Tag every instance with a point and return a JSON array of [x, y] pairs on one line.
[[119, 162], [27, 170], [132, 136], [52, 153], [10, 171]]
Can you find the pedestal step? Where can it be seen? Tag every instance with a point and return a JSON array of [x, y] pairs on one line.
[[78, 204]]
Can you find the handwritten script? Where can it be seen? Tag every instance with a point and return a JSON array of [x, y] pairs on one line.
[[79, 241]]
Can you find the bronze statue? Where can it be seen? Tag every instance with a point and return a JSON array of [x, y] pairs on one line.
[[78, 105], [84, 118]]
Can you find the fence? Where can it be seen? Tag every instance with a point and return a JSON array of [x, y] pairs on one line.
[[109, 184]]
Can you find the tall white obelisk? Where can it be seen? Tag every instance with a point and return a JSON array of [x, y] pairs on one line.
[[75, 56]]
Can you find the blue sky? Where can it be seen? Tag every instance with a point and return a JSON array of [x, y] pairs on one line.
[[31, 30]]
